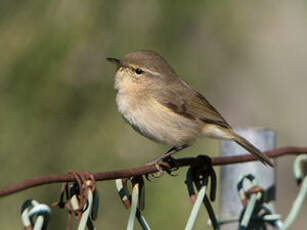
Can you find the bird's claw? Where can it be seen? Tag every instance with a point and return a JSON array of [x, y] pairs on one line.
[[160, 171], [161, 168]]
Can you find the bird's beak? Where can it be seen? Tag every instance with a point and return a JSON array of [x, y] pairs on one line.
[[115, 61]]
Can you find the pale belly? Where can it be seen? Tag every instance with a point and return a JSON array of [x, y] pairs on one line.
[[154, 121]]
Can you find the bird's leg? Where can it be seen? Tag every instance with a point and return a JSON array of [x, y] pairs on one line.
[[167, 156], [170, 152]]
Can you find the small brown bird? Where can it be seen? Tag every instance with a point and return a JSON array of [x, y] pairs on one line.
[[161, 106]]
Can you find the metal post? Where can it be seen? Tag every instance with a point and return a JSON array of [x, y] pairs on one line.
[[229, 203]]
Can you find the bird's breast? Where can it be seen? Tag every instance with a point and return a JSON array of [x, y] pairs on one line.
[[154, 121]]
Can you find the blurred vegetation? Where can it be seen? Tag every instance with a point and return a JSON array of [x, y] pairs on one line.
[[58, 109]]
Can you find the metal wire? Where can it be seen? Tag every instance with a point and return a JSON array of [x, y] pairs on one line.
[[35, 215], [31, 209], [196, 207], [86, 213], [252, 201], [249, 211], [199, 176], [135, 197], [297, 204], [125, 197]]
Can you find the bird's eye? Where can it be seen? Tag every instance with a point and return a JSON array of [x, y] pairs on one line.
[[139, 71]]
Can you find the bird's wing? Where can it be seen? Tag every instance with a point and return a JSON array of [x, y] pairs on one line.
[[180, 98]]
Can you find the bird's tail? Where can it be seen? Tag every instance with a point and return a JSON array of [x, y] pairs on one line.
[[252, 149]]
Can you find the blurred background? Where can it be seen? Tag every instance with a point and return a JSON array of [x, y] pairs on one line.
[[58, 110]]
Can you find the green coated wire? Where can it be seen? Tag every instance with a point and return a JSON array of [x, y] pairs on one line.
[[42, 212], [228, 220], [297, 171], [297, 204], [213, 220], [39, 223], [196, 208], [85, 214], [252, 201], [41, 220], [142, 220], [249, 210], [25, 218], [135, 195]]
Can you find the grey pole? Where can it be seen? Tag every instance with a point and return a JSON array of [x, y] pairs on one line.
[[229, 203]]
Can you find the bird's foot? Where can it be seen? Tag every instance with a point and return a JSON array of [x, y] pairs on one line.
[[157, 162], [167, 158], [160, 171], [165, 163]]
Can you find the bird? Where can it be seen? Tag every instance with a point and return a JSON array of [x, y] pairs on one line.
[[159, 105]]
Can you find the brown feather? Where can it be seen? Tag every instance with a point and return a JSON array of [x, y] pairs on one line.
[[189, 103]]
